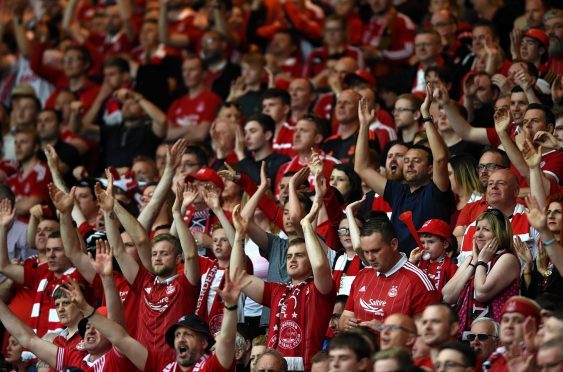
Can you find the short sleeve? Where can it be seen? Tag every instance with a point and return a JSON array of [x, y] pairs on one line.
[[493, 137], [350, 302]]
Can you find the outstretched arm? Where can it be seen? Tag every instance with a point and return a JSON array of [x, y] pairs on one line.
[[237, 252], [212, 199], [362, 163], [461, 127], [44, 350], [12, 271], [355, 229], [319, 262], [104, 268], [255, 232], [191, 262], [437, 145]]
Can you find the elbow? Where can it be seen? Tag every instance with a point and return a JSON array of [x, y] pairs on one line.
[[448, 296], [482, 296]]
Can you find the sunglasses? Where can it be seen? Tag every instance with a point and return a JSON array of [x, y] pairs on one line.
[[478, 336]]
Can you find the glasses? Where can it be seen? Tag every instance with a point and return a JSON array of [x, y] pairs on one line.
[[343, 231], [393, 327], [490, 167], [478, 336], [449, 364], [402, 109], [71, 59]]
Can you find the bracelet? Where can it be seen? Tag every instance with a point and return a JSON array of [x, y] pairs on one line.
[[482, 263], [430, 119], [89, 316], [231, 308], [549, 242], [473, 266]]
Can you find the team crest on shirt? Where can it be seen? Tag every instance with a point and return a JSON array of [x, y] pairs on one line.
[[290, 334], [148, 290], [200, 107], [215, 324], [170, 289], [393, 291], [80, 346]]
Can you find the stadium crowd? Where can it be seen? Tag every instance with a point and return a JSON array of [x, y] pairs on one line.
[[281, 185]]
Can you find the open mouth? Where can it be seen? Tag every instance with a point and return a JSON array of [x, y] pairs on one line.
[[394, 168], [90, 339]]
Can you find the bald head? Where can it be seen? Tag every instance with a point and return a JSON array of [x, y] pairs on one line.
[[347, 107], [399, 330], [502, 189]]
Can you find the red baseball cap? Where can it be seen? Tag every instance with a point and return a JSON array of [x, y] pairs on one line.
[[522, 305], [362, 75], [437, 227], [538, 35], [206, 174]]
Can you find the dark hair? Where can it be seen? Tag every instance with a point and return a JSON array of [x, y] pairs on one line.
[[469, 356], [266, 122], [293, 36], [171, 239], [444, 73], [6, 192], [488, 24], [548, 115], [119, 62], [31, 131], [85, 54], [386, 148], [201, 155], [319, 357], [355, 182], [321, 124], [504, 157], [284, 97], [452, 314], [352, 341], [57, 113], [425, 149], [89, 183], [295, 241], [380, 225]]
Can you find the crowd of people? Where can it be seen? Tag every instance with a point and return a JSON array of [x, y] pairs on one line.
[[281, 185]]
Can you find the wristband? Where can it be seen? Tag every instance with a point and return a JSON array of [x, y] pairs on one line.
[[549, 242], [89, 316], [430, 119], [231, 308], [473, 266], [482, 263]]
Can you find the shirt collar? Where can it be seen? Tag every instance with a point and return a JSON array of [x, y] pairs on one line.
[[157, 280], [396, 267]]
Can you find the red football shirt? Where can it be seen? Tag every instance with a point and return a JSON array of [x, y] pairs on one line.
[[69, 356], [404, 289], [186, 111], [160, 305], [283, 142], [299, 316], [35, 184], [156, 363]]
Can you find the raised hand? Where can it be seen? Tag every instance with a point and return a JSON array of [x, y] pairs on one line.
[[425, 107], [52, 157], [523, 79], [7, 213], [365, 115], [264, 180], [124, 94], [320, 187], [542, 260], [211, 196], [103, 263], [532, 155], [416, 255], [441, 95], [36, 211], [174, 154], [522, 251], [502, 120], [240, 144], [190, 194], [470, 86], [546, 140], [64, 202], [76, 107], [233, 288], [312, 215], [74, 294], [315, 163], [105, 197], [352, 207], [300, 177], [535, 214], [229, 174], [177, 206], [240, 223], [488, 250]]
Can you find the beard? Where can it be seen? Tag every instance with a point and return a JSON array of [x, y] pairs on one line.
[[163, 271], [555, 47]]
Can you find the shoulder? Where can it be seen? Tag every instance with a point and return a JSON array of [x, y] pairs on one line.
[[418, 277]]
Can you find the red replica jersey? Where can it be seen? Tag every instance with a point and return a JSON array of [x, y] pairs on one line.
[[299, 316], [520, 227], [393, 33], [405, 289], [184, 24], [69, 356], [34, 184], [186, 111], [207, 363], [161, 304], [283, 142], [44, 316], [439, 272], [295, 165], [111, 45], [316, 62]]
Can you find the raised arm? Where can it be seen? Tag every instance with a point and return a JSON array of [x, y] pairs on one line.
[[237, 252], [461, 127], [35, 215], [212, 199], [64, 202], [355, 229], [176, 40], [319, 262], [532, 156], [129, 267], [189, 248], [159, 123], [173, 159], [44, 350], [255, 232], [103, 264], [296, 212], [225, 342], [24, 46], [502, 121], [362, 163], [12, 271], [115, 333], [437, 145]]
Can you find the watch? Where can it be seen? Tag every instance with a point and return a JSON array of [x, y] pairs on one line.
[[430, 119]]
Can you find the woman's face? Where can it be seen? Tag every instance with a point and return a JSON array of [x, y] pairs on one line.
[[340, 181], [344, 234], [452, 179], [13, 350], [483, 233], [554, 217]]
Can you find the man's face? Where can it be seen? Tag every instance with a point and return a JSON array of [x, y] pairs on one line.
[[484, 92], [379, 254], [212, 46], [397, 332], [554, 29], [416, 168], [56, 259], [480, 34], [87, 203], [192, 72], [189, 164], [44, 229], [297, 261], [530, 49], [347, 107], [229, 114], [251, 74], [379, 6], [144, 171], [74, 64], [221, 245], [405, 114], [534, 121], [68, 312], [164, 258], [488, 160], [254, 136], [558, 131], [47, 125], [255, 352], [25, 148], [94, 341], [343, 67], [452, 358], [24, 112], [501, 187], [334, 34], [394, 162], [345, 359], [486, 347], [443, 24], [148, 37], [189, 347], [550, 359], [427, 47], [275, 108], [305, 136], [511, 327], [281, 44], [130, 247], [436, 327], [161, 158], [534, 13], [552, 328], [269, 363], [115, 24], [114, 77], [518, 106], [301, 95], [336, 313]]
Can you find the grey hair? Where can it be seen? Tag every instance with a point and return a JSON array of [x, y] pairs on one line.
[[496, 326], [240, 342], [276, 354]]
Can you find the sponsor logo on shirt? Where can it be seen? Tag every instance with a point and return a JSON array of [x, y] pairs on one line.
[[363, 289], [373, 306]]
